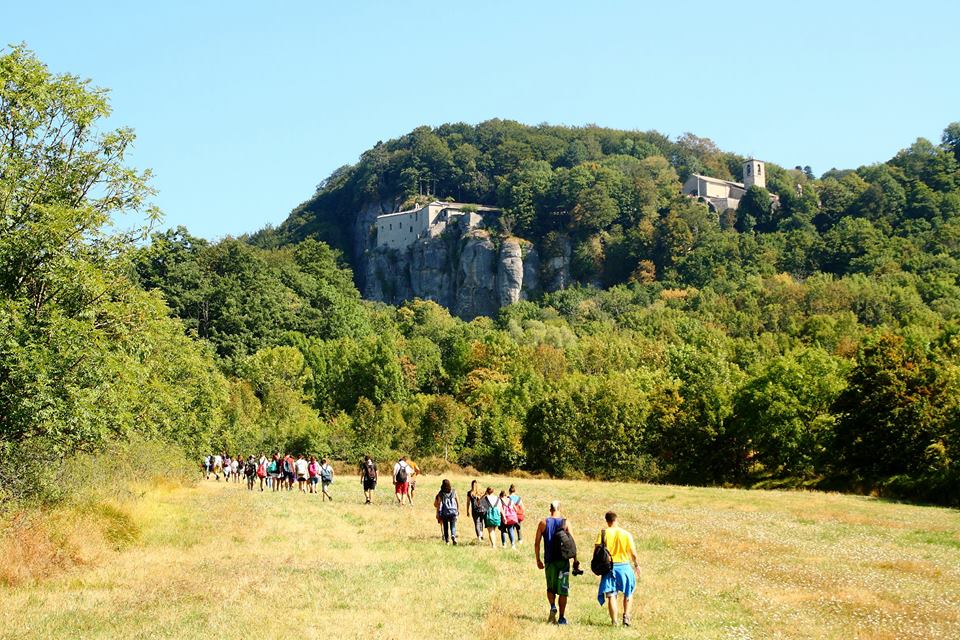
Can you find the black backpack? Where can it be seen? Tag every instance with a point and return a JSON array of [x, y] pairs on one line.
[[565, 548], [402, 474], [480, 505], [602, 562]]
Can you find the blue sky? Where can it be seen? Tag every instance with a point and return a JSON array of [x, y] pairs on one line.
[[242, 108]]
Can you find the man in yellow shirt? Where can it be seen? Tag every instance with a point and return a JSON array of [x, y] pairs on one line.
[[621, 578]]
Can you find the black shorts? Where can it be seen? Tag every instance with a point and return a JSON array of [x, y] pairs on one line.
[[369, 484]]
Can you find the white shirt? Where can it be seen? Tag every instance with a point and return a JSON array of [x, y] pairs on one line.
[[218, 461], [301, 467]]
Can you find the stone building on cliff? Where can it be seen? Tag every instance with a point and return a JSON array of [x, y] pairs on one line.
[[399, 230]]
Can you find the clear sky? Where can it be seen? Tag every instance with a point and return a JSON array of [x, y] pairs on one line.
[[241, 108]]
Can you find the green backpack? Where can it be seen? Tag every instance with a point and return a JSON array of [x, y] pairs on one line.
[[492, 517]]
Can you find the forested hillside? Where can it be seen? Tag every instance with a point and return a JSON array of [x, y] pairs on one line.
[[813, 343]]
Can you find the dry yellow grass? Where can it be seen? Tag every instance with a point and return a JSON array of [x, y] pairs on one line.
[[215, 560]]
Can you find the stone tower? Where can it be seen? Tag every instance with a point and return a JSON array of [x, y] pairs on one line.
[[754, 173]]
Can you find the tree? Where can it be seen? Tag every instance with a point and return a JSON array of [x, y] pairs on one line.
[[444, 426], [897, 403]]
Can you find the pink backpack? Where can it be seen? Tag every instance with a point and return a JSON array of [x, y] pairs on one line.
[[509, 513]]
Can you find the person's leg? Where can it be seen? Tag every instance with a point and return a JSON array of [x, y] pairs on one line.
[[552, 599], [445, 523], [627, 602], [519, 537], [453, 529], [612, 607], [562, 606], [490, 531]]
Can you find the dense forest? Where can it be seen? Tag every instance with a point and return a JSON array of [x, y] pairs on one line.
[[805, 340]]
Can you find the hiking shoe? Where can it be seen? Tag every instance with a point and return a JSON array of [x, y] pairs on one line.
[[626, 620], [454, 542], [562, 621], [552, 619]]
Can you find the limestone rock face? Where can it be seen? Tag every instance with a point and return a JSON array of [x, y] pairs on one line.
[[510, 272], [476, 277], [465, 272], [431, 275]]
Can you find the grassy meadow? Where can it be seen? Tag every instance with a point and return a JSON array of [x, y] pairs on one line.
[[215, 561]]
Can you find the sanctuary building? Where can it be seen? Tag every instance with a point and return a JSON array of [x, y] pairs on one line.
[[399, 230], [721, 195]]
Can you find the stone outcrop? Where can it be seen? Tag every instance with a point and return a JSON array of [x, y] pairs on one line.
[[472, 274]]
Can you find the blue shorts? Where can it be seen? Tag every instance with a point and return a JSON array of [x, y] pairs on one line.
[[314, 480], [621, 579]]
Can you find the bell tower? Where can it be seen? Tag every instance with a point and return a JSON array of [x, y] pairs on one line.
[[754, 173]]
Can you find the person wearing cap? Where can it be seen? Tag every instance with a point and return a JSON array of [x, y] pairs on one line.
[[622, 577], [555, 568]]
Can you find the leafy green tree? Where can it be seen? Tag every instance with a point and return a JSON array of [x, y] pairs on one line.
[[782, 414], [896, 404]]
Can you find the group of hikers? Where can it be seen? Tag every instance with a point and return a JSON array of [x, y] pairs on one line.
[[614, 557], [278, 473]]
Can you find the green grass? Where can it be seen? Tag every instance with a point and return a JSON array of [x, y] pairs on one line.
[[716, 563]]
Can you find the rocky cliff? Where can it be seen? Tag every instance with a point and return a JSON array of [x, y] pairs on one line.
[[472, 273]]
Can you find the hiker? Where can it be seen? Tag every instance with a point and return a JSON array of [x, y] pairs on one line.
[[414, 472], [289, 471], [207, 466], [559, 548], [227, 467], [448, 508], [326, 479], [620, 566], [300, 467], [236, 467], [275, 471], [262, 472], [313, 473], [520, 508], [492, 516], [401, 480], [250, 471], [476, 509], [368, 477], [217, 466], [508, 520]]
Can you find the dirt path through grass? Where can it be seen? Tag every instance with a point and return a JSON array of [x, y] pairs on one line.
[[215, 560]]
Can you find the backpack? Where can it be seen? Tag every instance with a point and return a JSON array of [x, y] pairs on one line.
[[509, 513], [492, 516], [402, 474], [312, 469], [602, 562], [369, 470], [448, 504], [480, 506], [521, 512], [262, 470], [249, 468], [273, 466], [326, 474], [564, 546]]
